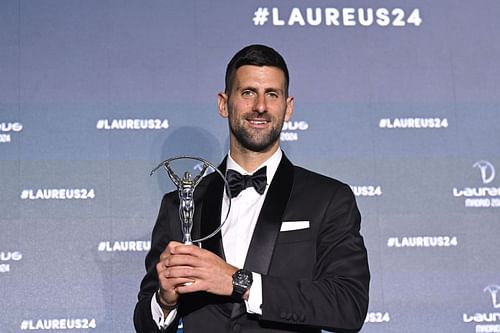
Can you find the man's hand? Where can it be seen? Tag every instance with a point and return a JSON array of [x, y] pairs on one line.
[[167, 293], [188, 268]]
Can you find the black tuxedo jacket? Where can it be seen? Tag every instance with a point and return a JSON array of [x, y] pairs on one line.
[[312, 279]]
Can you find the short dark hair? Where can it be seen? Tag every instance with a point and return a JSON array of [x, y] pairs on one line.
[[256, 55]]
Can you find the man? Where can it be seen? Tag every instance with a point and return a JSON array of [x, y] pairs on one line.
[[289, 259]]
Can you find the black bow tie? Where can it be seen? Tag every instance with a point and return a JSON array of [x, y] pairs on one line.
[[238, 182]]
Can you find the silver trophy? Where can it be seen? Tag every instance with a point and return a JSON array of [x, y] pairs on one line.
[[185, 188]]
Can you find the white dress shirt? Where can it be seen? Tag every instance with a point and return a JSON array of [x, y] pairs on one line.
[[236, 234]]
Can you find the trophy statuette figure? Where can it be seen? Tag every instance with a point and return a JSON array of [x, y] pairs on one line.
[[185, 189]]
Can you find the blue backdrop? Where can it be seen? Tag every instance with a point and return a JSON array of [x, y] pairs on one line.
[[400, 99]]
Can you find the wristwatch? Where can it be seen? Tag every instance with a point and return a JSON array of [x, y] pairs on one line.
[[242, 280]]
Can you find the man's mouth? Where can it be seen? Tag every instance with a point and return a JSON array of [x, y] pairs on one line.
[[259, 122]]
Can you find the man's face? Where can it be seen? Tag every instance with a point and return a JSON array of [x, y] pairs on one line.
[[256, 108]]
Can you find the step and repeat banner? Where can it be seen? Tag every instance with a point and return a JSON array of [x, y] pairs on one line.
[[400, 99]]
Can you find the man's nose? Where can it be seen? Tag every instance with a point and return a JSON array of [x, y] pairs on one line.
[[260, 103]]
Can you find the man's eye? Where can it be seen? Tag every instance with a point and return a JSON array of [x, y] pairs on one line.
[[247, 92], [273, 94]]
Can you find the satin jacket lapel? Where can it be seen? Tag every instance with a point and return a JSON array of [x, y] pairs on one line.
[[268, 225], [210, 220], [269, 222]]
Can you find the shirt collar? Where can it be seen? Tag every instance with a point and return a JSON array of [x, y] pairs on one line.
[[271, 164]]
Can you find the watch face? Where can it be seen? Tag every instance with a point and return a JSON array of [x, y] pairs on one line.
[[242, 278]]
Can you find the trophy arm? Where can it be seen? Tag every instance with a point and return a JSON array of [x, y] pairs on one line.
[[175, 179], [198, 178]]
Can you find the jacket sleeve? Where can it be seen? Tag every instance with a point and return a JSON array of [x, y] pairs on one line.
[[143, 319], [335, 296]]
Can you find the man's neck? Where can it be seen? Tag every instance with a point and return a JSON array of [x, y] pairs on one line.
[[250, 160]]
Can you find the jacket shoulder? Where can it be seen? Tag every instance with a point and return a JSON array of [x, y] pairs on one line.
[[313, 179]]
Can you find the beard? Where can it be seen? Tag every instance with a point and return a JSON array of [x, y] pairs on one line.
[[252, 139]]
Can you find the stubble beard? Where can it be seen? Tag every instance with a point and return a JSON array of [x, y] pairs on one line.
[[254, 140]]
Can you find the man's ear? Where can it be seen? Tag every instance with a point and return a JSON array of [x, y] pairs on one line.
[[222, 104], [289, 108]]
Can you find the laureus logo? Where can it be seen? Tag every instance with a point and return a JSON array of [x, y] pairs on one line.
[[487, 171], [493, 290]]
